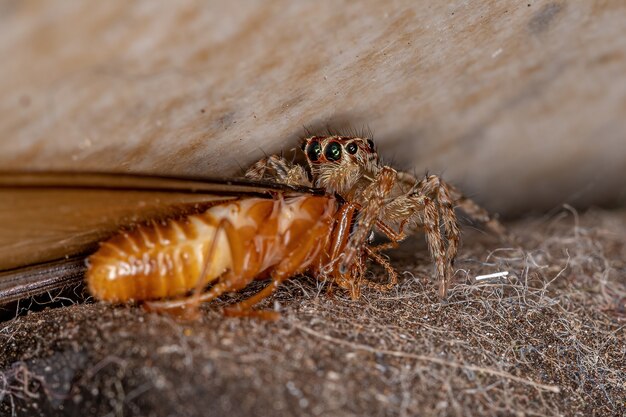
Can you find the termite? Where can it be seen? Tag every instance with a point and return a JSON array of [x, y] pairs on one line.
[[249, 231], [228, 245]]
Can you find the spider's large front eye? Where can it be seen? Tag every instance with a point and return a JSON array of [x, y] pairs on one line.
[[352, 148], [314, 151], [333, 151]]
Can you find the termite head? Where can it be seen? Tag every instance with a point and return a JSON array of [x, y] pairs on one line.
[[338, 162]]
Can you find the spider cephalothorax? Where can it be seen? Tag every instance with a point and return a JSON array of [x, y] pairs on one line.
[[339, 163], [393, 203]]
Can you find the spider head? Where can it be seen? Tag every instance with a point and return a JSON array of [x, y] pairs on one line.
[[338, 162]]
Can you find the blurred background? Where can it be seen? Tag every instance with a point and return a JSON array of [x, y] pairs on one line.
[[522, 104]]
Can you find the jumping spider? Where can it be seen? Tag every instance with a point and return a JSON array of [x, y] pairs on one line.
[[393, 203]]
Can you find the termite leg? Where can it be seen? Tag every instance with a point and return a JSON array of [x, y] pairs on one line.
[[187, 307], [350, 281], [244, 308], [194, 300], [355, 289], [330, 289], [295, 261]]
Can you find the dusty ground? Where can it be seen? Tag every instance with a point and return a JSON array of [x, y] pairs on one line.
[[547, 340]]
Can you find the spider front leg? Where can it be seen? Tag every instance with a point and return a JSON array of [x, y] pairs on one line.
[[375, 196], [278, 169]]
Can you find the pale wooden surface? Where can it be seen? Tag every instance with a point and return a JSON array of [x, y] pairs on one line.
[[521, 103]]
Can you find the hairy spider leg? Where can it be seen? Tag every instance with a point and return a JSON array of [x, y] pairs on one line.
[[277, 168], [375, 194], [393, 275], [437, 190], [474, 211]]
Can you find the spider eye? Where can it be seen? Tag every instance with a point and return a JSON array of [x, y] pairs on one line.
[[333, 151], [314, 151], [352, 148], [370, 143]]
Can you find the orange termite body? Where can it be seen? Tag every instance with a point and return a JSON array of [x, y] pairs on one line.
[[229, 245]]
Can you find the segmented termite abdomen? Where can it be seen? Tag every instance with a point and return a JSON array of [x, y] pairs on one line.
[[236, 242], [157, 260]]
